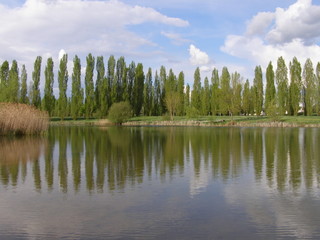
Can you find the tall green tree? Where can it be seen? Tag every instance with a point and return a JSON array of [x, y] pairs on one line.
[[258, 86], [24, 87], [295, 87], [236, 88], [4, 76], [100, 91], [110, 78], [246, 98], [163, 81], [147, 106], [205, 98], [119, 80], [196, 92], [138, 89], [13, 83], [282, 83], [63, 85], [180, 90], [130, 81], [318, 89], [157, 95], [309, 87], [89, 100], [48, 98], [35, 97], [77, 90], [215, 89], [270, 87], [225, 105], [187, 97]]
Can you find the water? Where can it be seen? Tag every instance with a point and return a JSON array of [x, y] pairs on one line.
[[161, 183]]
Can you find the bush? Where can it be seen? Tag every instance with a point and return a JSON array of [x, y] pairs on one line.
[[192, 112], [120, 112], [19, 119]]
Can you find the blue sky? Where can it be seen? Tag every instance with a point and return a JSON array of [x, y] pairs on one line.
[[178, 34]]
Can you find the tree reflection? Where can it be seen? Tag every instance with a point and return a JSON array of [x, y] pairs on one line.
[[113, 158]]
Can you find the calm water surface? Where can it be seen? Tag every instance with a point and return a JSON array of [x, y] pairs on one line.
[[161, 183]]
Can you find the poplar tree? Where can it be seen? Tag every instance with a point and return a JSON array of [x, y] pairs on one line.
[[35, 94], [157, 95], [295, 87], [63, 85], [180, 90], [24, 88], [48, 98], [100, 94], [13, 83], [215, 84], [148, 94], [318, 88], [4, 76], [196, 92], [246, 98], [236, 88], [119, 80], [270, 87], [187, 98], [76, 91], [225, 91], [309, 87], [163, 80], [205, 98], [131, 76], [110, 78], [89, 100], [282, 82], [138, 89], [258, 86]]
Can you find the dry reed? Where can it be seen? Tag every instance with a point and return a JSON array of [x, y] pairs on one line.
[[21, 119]]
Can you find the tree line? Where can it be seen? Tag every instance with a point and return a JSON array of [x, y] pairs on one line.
[[289, 90]]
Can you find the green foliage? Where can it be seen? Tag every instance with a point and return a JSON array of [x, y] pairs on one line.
[[101, 88], [120, 112], [63, 84], [215, 91], [35, 97], [172, 102], [246, 98], [76, 91], [309, 86], [157, 96], [147, 103], [49, 99], [89, 100], [205, 98], [295, 87], [225, 91], [282, 82], [272, 111], [24, 87], [180, 90], [270, 88], [196, 92], [258, 88], [4, 78], [13, 83], [138, 89], [192, 112]]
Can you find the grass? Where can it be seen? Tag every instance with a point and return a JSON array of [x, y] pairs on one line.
[[21, 119]]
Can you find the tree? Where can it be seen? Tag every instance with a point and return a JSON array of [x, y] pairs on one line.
[[187, 98], [180, 90], [196, 92], [63, 85], [35, 97], [282, 82], [295, 87], [130, 81], [119, 80], [89, 101], [318, 89], [309, 87], [110, 79], [163, 80], [270, 88], [246, 98], [258, 86], [76, 91], [157, 95], [120, 112], [48, 99], [24, 87], [215, 83], [236, 94], [172, 102], [148, 94], [225, 91], [100, 90], [205, 97], [13, 83], [4, 76], [138, 89]]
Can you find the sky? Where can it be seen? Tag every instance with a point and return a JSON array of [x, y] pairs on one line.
[[177, 34]]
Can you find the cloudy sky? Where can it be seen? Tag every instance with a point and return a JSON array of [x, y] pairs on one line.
[[178, 34]]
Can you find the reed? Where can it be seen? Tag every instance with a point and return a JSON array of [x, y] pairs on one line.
[[22, 119]]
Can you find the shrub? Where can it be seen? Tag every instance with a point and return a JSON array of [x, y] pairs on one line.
[[20, 119], [120, 112]]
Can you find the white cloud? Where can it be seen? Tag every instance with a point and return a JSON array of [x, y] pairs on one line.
[[175, 38], [197, 57], [43, 26], [285, 32]]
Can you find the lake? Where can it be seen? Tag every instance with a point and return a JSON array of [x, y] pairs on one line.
[[161, 183]]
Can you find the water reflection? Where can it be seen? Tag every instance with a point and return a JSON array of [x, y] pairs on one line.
[[113, 158]]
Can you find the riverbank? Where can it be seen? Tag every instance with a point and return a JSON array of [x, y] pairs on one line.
[[207, 121]]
